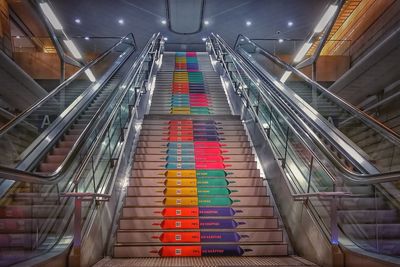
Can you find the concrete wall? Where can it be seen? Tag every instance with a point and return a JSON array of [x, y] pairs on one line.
[[5, 33]]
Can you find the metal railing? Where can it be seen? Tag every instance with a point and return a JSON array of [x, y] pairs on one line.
[[353, 177], [389, 133], [24, 133], [12, 123], [95, 168], [311, 171], [349, 122], [103, 190]]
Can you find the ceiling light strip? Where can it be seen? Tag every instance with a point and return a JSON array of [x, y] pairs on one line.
[[48, 12]]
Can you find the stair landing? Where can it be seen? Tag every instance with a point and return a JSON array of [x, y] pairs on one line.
[[206, 261]]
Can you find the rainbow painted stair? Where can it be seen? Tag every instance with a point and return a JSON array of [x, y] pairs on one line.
[[195, 189]]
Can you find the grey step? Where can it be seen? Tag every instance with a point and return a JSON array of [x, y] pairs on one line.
[[153, 127], [163, 157], [372, 231], [380, 246], [161, 151], [203, 236], [368, 216], [193, 191], [26, 211], [244, 181], [194, 201], [157, 212], [129, 251], [194, 224], [162, 173], [158, 138], [363, 203], [161, 165], [23, 225]]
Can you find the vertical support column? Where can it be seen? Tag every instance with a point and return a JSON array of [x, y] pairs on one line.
[[314, 78], [76, 249], [62, 71], [5, 30], [337, 254]]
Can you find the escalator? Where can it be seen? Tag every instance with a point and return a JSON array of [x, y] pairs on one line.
[[369, 138], [172, 157], [325, 146], [65, 128]]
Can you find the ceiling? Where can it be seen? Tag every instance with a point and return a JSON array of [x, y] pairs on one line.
[[269, 19]]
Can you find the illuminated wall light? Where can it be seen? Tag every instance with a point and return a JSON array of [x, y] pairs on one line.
[[165, 38], [280, 40], [325, 19], [51, 16], [204, 39], [87, 38], [206, 22], [72, 48], [121, 21], [285, 76], [49, 49], [248, 23], [90, 75], [290, 23], [164, 21], [302, 52], [78, 21]]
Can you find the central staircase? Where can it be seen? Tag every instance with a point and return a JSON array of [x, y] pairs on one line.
[[195, 189]]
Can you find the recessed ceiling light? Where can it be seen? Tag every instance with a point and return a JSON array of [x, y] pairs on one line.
[[248, 23], [280, 40], [290, 23], [206, 22], [78, 21], [17, 36], [165, 38], [164, 21], [204, 39], [121, 21], [87, 38]]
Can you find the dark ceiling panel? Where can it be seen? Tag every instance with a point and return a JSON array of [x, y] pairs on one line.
[[185, 16], [226, 17]]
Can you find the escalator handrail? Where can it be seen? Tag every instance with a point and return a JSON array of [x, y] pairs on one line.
[[266, 99], [90, 196], [352, 177], [53, 178], [8, 173], [16, 120], [150, 45], [370, 121]]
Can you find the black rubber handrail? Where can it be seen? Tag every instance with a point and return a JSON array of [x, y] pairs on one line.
[[55, 177], [352, 177], [370, 121], [15, 121]]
